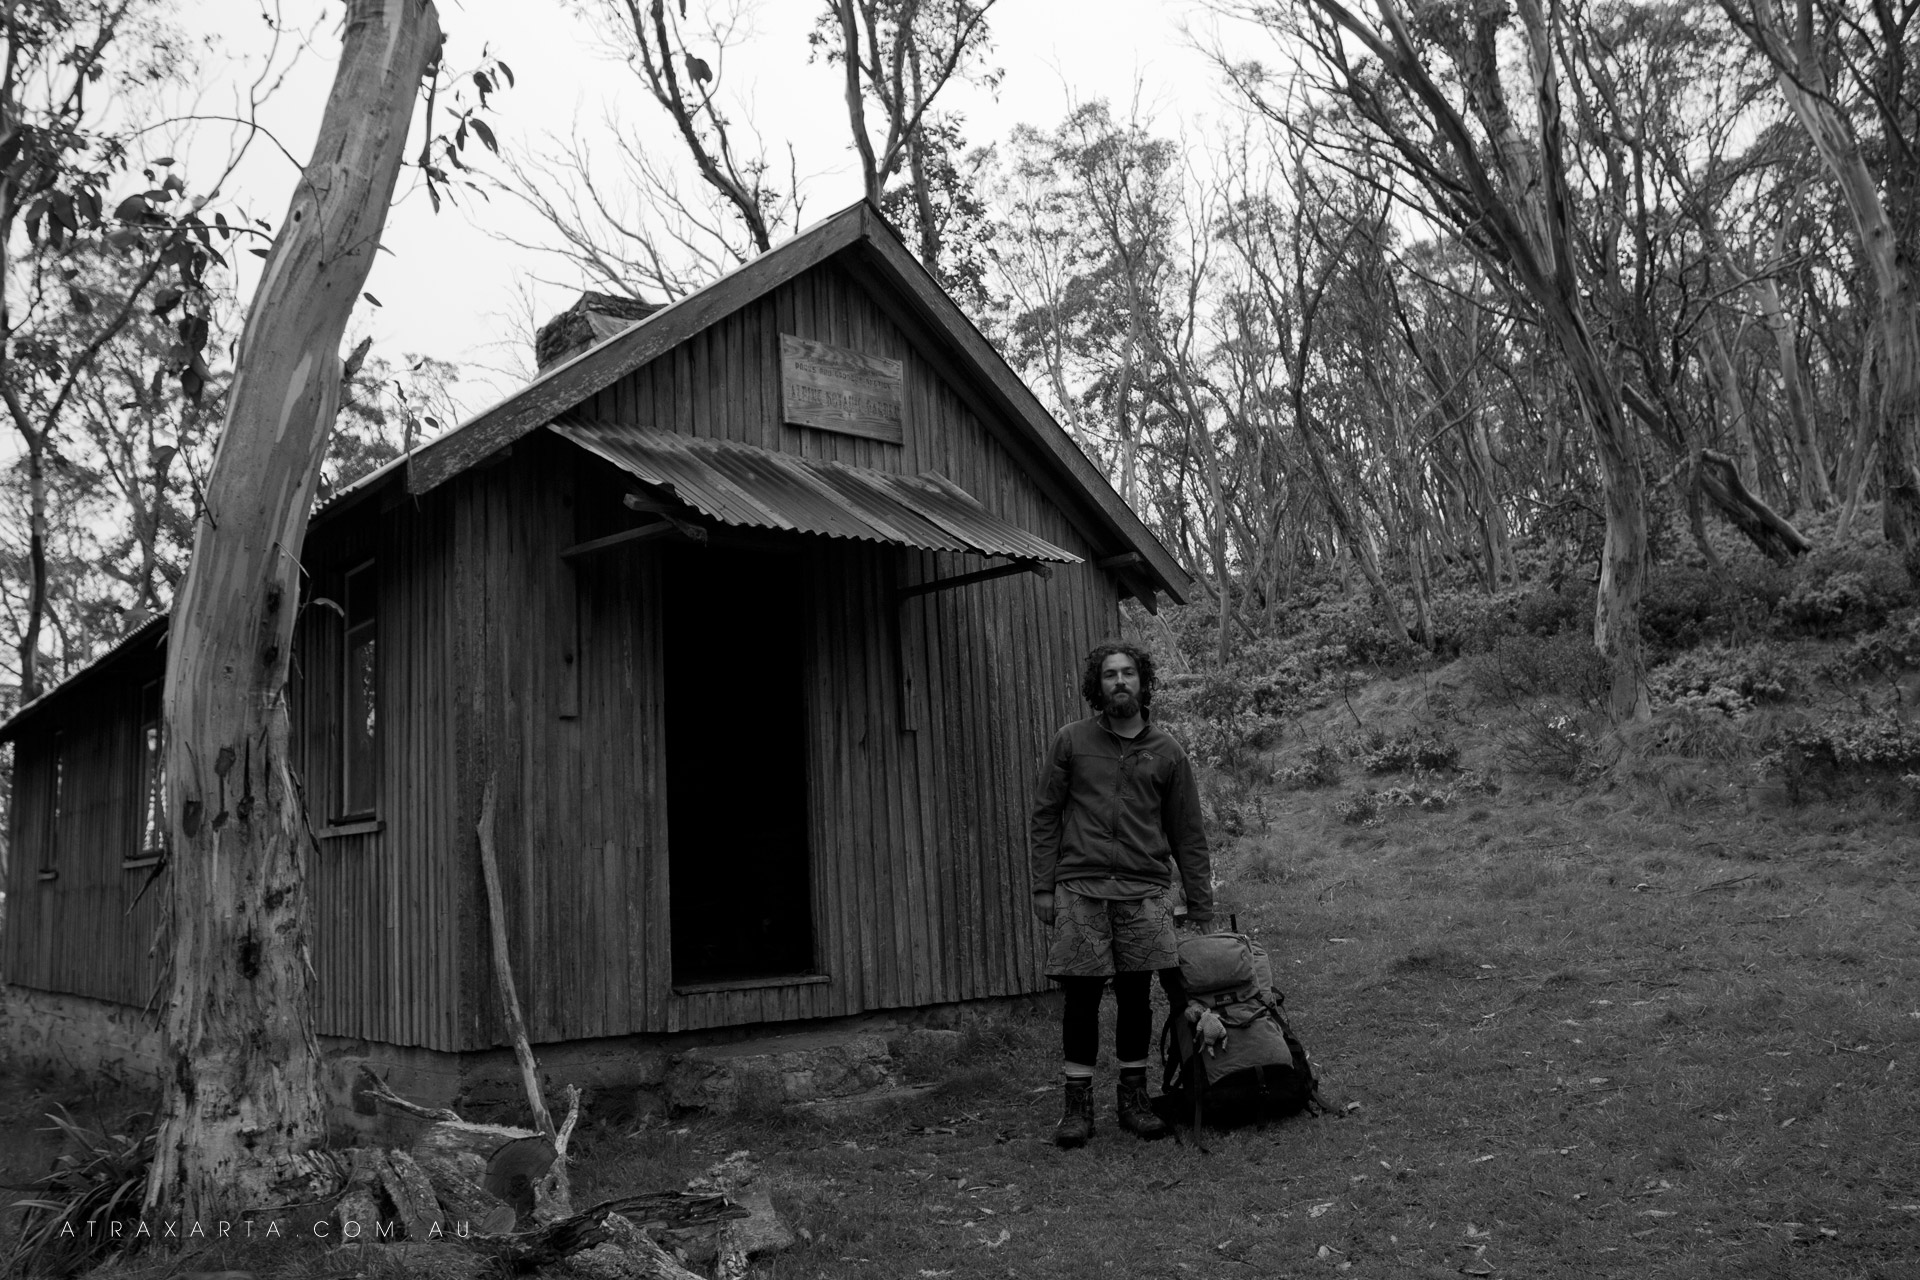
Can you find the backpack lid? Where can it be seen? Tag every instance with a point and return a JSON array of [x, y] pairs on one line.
[[1214, 962]]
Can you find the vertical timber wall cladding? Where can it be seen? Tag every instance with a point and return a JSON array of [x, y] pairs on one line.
[[579, 821], [90, 930], [385, 902]]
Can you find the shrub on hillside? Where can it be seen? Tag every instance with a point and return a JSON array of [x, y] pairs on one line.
[[1695, 727], [1762, 583], [1353, 629], [1365, 808], [1555, 744], [1544, 611], [1519, 670], [1842, 591], [1320, 768], [1888, 652], [1360, 809], [1686, 604], [1402, 752], [1731, 679], [1418, 794], [1880, 742], [1280, 677], [1231, 811], [1469, 620], [1220, 716]]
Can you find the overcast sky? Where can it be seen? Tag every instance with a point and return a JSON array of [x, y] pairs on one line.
[[449, 289]]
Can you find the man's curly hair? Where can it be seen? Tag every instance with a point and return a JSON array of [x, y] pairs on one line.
[[1090, 679]]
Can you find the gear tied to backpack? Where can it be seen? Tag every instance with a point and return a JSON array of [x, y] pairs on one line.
[[1230, 1053]]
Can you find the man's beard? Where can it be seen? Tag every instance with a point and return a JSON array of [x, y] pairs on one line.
[[1122, 705]]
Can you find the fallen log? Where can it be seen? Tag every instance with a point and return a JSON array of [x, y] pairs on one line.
[[657, 1210], [627, 1254], [415, 1203]]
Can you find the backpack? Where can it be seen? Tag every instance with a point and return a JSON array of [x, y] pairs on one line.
[[1262, 1072]]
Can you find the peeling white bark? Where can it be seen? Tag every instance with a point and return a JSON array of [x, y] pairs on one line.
[[243, 1093]]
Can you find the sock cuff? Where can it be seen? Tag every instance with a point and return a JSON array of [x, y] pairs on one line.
[[1075, 1071], [1132, 1066]]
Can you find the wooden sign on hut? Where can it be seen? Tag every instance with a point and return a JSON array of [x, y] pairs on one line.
[[757, 610]]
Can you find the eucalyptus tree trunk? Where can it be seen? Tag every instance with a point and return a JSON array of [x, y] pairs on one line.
[[1815, 489], [243, 1096], [1511, 194], [1890, 374], [1721, 369]]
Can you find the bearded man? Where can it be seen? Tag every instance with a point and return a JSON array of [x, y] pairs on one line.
[[1117, 811]]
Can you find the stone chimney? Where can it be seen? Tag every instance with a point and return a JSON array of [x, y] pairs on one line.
[[588, 322]]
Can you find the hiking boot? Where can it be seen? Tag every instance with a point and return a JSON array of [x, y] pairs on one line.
[[1137, 1115], [1076, 1114]]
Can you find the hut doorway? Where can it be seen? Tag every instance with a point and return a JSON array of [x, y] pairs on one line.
[[738, 887]]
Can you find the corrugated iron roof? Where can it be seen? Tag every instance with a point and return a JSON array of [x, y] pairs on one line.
[[151, 629], [740, 484]]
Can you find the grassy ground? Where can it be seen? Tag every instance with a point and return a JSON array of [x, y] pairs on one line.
[[1657, 1023], [1661, 1022], [1589, 1036]]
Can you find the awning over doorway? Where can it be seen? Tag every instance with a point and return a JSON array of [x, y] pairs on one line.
[[740, 484]]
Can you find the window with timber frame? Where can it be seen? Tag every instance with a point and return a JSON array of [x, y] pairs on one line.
[[360, 696], [56, 799], [152, 763]]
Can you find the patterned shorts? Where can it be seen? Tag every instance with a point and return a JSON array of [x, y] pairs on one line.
[[1097, 938]]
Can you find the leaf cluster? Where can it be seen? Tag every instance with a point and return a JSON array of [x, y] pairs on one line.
[[96, 1182]]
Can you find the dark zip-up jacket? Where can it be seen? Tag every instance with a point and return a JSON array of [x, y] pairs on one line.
[[1113, 806]]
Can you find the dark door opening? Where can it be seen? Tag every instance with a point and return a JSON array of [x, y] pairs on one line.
[[739, 893]]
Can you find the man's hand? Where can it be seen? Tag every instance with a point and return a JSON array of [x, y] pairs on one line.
[[1043, 906], [1189, 925]]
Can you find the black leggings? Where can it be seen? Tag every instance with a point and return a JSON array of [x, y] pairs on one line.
[[1133, 1024]]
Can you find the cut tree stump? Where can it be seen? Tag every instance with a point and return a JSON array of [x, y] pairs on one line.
[[456, 1155], [514, 1170]]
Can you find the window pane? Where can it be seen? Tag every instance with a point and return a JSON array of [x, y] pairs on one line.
[[359, 733], [153, 826], [361, 586], [57, 784]]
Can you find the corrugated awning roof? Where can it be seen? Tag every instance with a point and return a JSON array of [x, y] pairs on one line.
[[740, 484]]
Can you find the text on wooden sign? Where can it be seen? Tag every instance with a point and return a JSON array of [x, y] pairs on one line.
[[834, 389]]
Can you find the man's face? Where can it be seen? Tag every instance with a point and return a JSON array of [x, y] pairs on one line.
[[1120, 686]]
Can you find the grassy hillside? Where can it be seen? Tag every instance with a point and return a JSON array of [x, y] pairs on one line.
[[1771, 687]]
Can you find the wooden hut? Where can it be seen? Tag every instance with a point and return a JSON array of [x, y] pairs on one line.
[[755, 614]]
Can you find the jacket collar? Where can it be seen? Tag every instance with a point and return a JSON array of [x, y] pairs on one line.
[[1146, 726]]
